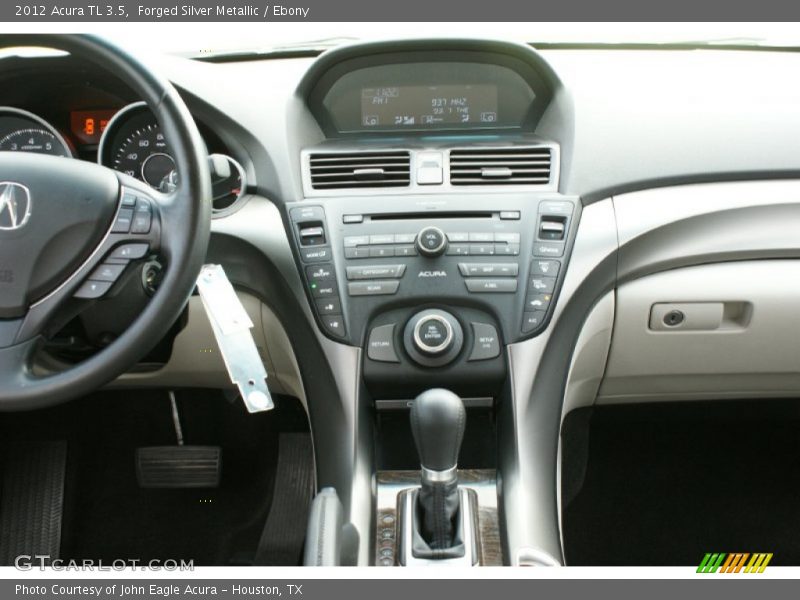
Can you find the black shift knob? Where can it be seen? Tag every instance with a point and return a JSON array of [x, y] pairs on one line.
[[437, 422]]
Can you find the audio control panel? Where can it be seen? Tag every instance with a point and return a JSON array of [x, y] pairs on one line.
[[361, 258]]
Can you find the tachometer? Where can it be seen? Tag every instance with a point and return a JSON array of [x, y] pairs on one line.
[[33, 140], [21, 131]]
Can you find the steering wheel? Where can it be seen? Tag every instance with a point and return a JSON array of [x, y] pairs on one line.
[[62, 221]]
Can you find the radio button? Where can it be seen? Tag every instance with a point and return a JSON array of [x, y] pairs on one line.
[[510, 215], [405, 250], [458, 237], [506, 249], [373, 288], [351, 241], [492, 286], [362, 252], [488, 269], [481, 237], [347, 219], [381, 251], [481, 249], [382, 239], [404, 238], [458, 250], [507, 237], [376, 272]]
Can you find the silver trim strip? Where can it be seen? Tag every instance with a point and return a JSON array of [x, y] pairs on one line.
[[432, 476]]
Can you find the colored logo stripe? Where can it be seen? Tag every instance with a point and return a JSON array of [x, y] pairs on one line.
[[734, 562]]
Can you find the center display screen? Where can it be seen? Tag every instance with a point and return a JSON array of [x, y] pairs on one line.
[[428, 106]]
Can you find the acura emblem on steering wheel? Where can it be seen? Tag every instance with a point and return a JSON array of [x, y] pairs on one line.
[[15, 205]]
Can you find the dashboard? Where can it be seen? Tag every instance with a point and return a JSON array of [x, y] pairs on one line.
[[473, 215]]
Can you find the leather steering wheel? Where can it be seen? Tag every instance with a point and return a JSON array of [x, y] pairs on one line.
[[70, 216]]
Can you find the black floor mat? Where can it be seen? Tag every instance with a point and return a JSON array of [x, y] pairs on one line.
[[108, 516], [666, 484], [31, 499]]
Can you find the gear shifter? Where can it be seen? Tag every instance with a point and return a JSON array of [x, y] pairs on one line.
[[437, 423]]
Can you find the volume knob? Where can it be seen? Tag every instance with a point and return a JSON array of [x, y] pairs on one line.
[[431, 241]]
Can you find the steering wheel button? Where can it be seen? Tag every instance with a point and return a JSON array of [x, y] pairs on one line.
[[142, 205], [123, 222], [128, 199], [141, 222], [93, 289], [129, 252], [107, 272]]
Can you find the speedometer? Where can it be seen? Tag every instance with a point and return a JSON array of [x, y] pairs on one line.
[[133, 143], [21, 131], [144, 154]]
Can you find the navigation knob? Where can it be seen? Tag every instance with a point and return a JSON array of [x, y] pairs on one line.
[[431, 241], [433, 334], [433, 338]]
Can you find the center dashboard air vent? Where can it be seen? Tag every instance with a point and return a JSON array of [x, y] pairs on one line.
[[501, 166], [360, 169]]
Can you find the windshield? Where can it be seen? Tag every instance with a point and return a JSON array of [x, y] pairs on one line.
[[193, 39]]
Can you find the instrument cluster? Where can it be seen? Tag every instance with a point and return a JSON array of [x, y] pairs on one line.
[[127, 139]]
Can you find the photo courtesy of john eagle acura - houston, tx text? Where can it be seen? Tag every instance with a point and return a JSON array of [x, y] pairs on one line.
[[399, 302]]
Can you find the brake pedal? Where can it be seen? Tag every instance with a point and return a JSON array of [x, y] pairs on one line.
[[178, 466]]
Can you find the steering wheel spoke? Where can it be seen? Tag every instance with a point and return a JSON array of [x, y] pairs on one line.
[[133, 235]]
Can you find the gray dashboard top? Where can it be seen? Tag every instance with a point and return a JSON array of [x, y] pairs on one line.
[[626, 119]]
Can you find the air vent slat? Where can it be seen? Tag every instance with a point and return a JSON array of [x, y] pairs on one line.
[[360, 169], [501, 166]]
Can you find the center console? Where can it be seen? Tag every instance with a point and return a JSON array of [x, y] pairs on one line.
[[431, 236]]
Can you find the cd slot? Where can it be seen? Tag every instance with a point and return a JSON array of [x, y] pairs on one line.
[[430, 216]]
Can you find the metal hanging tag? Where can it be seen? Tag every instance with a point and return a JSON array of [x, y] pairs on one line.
[[231, 325]]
